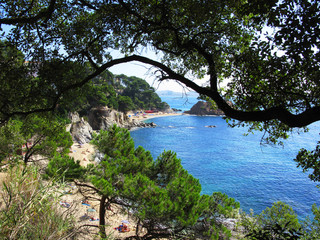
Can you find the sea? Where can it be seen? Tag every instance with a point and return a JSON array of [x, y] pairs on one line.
[[225, 160]]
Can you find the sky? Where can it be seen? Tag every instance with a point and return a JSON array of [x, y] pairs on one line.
[[145, 72]]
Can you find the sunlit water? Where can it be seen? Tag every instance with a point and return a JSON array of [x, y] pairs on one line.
[[225, 160]]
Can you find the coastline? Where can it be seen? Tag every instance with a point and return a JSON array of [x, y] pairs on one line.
[[146, 116], [85, 154]]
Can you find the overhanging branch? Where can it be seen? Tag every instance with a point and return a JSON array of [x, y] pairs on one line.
[[279, 113], [43, 14], [275, 113]]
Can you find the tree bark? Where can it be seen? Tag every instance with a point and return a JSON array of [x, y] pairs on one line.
[[102, 222]]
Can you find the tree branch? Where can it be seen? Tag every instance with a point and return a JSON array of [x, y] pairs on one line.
[[45, 13], [87, 186], [279, 113]]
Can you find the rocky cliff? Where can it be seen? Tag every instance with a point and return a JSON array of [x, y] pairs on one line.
[[80, 130], [103, 118], [204, 108], [100, 119]]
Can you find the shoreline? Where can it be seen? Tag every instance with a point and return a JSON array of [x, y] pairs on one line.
[[147, 116], [150, 116], [85, 152]]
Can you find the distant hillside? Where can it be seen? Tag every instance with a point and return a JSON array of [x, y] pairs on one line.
[[118, 92]]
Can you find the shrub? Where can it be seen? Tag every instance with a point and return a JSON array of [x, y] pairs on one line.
[[277, 222], [64, 168], [28, 208]]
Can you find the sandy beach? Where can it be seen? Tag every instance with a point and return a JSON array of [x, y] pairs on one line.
[[84, 153], [84, 212], [144, 116]]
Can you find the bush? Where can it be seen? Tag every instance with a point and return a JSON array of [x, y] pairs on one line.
[[28, 208], [277, 222], [64, 168]]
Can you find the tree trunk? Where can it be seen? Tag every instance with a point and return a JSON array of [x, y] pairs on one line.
[[102, 222], [138, 229]]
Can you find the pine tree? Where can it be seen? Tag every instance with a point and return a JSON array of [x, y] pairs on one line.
[[161, 194], [163, 197]]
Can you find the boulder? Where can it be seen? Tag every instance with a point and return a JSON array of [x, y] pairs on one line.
[[210, 126], [139, 124], [74, 117], [204, 108], [81, 131], [170, 110], [98, 157]]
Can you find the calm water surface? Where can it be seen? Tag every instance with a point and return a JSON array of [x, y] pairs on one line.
[[225, 160]]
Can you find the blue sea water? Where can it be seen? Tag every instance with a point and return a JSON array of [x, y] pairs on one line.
[[225, 160], [181, 101]]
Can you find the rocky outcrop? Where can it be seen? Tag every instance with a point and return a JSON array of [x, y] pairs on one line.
[[74, 117], [204, 108], [139, 124], [170, 110], [98, 157], [210, 126], [102, 118], [80, 130]]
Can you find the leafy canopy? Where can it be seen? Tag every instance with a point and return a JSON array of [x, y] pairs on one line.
[[273, 78], [35, 135], [272, 74]]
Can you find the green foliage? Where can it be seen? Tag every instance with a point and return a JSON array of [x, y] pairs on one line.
[[15, 82], [277, 222], [215, 208], [114, 91], [29, 208], [310, 160], [11, 140], [44, 134], [162, 195], [64, 168], [47, 134], [42, 84], [100, 92], [279, 68], [45, 84], [182, 192], [125, 104], [115, 143], [166, 167], [140, 92], [275, 232], [281, 214], [311, 227]]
